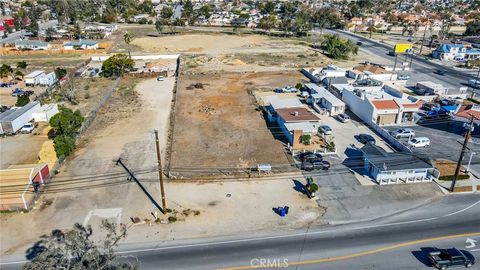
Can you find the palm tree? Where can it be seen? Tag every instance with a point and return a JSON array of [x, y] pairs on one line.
[[127, 38], [18, 73]]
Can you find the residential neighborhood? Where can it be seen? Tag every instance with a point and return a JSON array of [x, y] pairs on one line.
[[215, 134]]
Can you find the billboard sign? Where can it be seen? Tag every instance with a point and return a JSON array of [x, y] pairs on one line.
[[403, 48]]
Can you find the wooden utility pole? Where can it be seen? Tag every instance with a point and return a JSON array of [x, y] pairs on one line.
[[160, 171], [464, 148]]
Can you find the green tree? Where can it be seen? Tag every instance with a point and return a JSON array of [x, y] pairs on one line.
[[5, 70], [22, 65], [117, 65], [166, 16], [473, 28], [77, 32], [75, 249], [206, 11], [306, 139], [339, 48], [66, 122], [22, 100], [128, 39], [60, 72], [266, 7], [63, 145], [159, 24], [187, 11], [267, 22], [18, 74], [49, 34]]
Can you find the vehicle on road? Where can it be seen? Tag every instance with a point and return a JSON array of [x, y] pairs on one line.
[[403, 77], [440, 72], [160, 78], [325, 129], [359, 43], [365, 138], [419, 142], [343, 117], [392, 53], [315, 164], [27, 128], [403, 133], [452, 257], [474, 83]]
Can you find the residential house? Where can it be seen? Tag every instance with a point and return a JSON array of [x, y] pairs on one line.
[[319, 96], [316, 75], [295, 122], [81, 45], [34, 45], [449, 52], [371, 71], [396, 167]]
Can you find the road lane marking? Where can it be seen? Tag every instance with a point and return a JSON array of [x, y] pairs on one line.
[[363, 253], [280, 236]]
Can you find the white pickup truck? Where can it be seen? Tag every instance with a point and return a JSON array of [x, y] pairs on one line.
[[27, 128]]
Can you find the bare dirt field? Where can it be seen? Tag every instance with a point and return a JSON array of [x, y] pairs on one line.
[[217, 44], [221, 126]]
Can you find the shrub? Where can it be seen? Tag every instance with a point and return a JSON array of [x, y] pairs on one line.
[[22, 100], [306, 139], [63, 145], [450, 177]]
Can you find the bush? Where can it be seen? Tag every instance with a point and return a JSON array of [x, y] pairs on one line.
[[22, 100], [450, 177], [117, 65], [64, 145], [306, 139]]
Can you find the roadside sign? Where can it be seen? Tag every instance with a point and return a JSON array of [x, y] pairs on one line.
[[402, 47]]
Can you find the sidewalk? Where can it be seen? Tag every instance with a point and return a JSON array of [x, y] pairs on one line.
[[471, 185]]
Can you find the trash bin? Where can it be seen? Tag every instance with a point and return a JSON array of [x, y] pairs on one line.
[[283, 211]]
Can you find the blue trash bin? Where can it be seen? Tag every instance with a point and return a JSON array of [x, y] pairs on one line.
[[283, 211]]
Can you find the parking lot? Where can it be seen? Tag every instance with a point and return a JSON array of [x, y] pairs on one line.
[[446, 139]]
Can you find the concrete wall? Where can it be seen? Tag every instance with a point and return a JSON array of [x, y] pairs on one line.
[[360, 107]]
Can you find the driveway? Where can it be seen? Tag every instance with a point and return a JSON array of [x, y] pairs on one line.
[[344, 134]]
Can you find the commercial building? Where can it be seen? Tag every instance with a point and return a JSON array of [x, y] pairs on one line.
[[396, 167]]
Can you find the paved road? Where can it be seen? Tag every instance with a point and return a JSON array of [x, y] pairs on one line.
[[391, 243], [20, 34], [421, 69]]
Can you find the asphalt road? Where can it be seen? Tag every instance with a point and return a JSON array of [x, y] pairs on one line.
[[396, 242], [422, 70]]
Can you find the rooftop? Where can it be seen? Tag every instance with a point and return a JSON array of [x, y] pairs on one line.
[[372, 68], [395, 161], [11, 115], [297, 114], [385, 104], [278, 103]]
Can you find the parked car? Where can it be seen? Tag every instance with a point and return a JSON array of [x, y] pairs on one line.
[[27, 128], [160, 78], [327, 130], [28, 92], [315, 164], [419, 142], [18, 92], [309, 155], [452, 257], [403, 133], [474, 83], [365, 138], [343, 117], [403, 77]]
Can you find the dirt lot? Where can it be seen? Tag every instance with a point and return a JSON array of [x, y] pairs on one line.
[[220, 126]]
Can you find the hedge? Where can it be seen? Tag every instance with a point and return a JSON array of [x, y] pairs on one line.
[[450, 177]]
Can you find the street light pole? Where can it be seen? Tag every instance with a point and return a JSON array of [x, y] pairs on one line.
[[160, 170], [470, 161]]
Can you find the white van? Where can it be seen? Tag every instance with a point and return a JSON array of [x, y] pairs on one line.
[[419, 142]]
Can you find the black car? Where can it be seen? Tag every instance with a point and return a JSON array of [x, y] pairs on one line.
[[309, 155], [359, 43], [365, 138], [315, 164], [452, 257], [441, 72]]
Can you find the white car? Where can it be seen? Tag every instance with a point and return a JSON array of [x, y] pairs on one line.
[[419, 142], [403, 133], [27, 128], [343, 117], [160, 78], [474, 83]]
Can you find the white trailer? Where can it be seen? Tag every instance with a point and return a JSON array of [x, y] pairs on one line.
[[48, 79], [13, 120], [45, 113], [34, 77]]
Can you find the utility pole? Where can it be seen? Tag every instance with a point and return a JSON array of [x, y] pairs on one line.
[[464, 148], [160, 170], [423, 39]]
